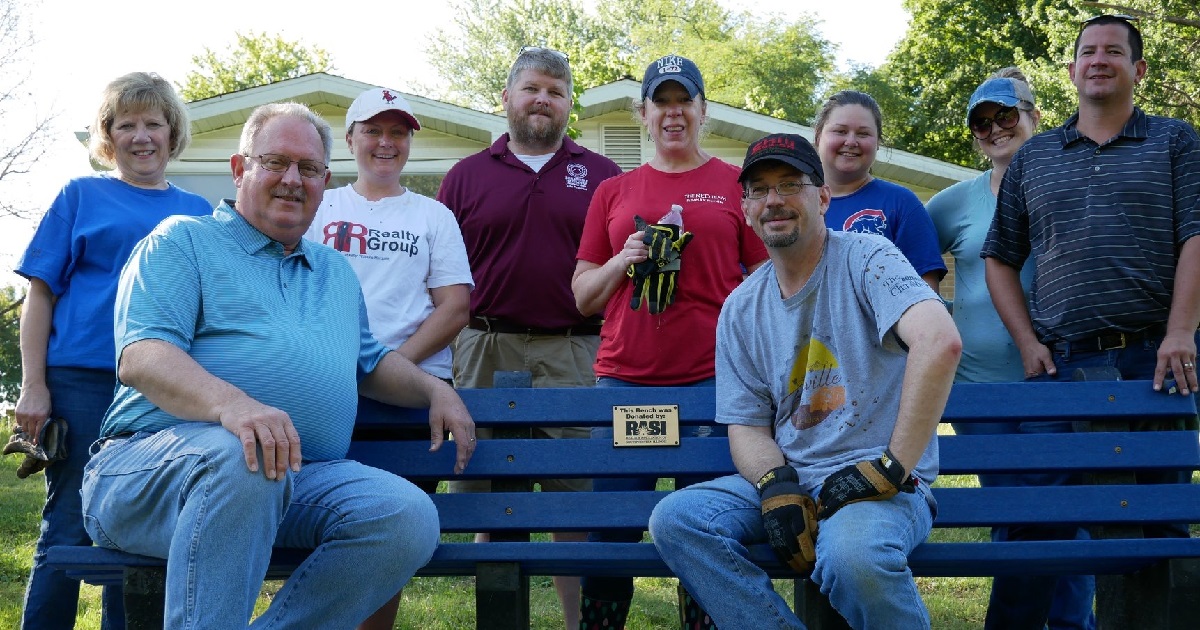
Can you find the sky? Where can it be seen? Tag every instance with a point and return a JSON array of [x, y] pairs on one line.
[[84, 44]]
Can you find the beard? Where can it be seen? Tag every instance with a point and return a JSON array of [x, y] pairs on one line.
[[536, 132], [776, 241]]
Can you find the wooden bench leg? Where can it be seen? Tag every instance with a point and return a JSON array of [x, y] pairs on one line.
[[1184, 582], [1137, 600], [814, 609], [145, 592], [501, 596]]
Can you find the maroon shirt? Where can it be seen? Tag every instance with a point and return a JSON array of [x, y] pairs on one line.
[[522, 229]]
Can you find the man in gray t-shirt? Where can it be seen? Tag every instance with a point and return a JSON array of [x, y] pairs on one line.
[[834, 362]]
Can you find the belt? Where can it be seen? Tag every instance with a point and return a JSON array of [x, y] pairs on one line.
[[494, 325], [112, 440], [1114, 340]]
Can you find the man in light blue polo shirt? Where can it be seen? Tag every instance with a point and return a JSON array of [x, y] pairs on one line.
[[241, 350]]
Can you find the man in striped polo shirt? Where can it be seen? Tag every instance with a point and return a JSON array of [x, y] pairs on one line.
[[238, 345], [1107, 205]]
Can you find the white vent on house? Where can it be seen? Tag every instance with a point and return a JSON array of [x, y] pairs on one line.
[[622, 145]]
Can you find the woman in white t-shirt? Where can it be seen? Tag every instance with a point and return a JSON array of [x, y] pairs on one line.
[[405, 248]]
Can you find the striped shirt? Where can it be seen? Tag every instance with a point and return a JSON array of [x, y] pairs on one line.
[[289, 330], [1104, 223]]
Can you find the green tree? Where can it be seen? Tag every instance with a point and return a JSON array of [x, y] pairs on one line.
[[257, 59], [10, 343], [950, 47], [764, 65]]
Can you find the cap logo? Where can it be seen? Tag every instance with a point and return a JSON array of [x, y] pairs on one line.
[[388, 96], [776, 142], [671, 64]]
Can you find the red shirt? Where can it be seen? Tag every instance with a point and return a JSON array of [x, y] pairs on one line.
[[678, 345]]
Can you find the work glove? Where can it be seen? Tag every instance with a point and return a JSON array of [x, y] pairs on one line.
[[873, 480], [790, 518], [50, 448], [655, 279]]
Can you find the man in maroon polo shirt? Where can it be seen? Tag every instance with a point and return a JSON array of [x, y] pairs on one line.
[[521, 205]]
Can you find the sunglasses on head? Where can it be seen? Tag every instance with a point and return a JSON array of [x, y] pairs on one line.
[[536, 49], [1124, 17], [1006, 117]]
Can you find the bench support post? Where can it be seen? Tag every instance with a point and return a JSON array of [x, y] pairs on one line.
[[501, 596], [1137, 600], [145, 592], [814, 609], [1184, 580]]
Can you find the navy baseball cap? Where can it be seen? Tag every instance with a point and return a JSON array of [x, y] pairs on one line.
[[789, 148], [672, 68], [1006, 91]]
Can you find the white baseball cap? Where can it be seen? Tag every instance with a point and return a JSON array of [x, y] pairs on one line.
[[376, 101]]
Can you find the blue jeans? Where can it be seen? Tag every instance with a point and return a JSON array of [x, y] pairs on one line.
[[1072, 604], [185, 494], [862, 556], [1025, 601], [613, 589], [80, 396]]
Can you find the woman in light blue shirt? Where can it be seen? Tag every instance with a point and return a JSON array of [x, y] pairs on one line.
[[1001, 116]]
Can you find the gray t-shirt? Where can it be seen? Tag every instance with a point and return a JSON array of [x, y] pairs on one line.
[[824, 366]]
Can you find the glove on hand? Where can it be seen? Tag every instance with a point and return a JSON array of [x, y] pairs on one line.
[[790, 518], [654, 279], [873, 480], [50, 448]]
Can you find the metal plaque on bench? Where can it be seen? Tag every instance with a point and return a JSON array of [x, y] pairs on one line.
[[645, 425]]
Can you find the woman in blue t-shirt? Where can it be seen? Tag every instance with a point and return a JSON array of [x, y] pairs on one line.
[[68, 359], [847, 134]]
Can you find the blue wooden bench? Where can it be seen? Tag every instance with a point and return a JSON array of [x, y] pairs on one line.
[[1155, 581]]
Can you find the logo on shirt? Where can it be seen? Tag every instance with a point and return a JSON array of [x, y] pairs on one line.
[[815, 386], [355, 238], [705, 198], [866, 221], [577, 176]]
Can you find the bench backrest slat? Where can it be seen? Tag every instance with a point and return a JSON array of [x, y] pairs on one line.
[[957, 507], [966, 454]]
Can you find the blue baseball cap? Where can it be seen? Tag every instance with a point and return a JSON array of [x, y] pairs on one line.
[[1006, 91], [672, 68]]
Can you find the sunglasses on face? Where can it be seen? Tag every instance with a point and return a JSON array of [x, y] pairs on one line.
[[1006, 117]]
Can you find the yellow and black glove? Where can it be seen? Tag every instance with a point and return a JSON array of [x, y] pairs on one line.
[[655, 279], [873, 480], [790, 518]]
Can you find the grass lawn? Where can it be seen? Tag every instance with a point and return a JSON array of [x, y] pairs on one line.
[[435, 603]]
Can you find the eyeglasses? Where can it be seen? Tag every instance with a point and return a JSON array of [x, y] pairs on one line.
[[277, 163], [1006, 117], [1119, 16], [536, 49], [783, 189]]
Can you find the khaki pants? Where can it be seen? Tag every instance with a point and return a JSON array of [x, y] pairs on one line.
[[553, 361]]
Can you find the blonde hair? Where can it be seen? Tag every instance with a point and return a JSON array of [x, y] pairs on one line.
[[138, 92]]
